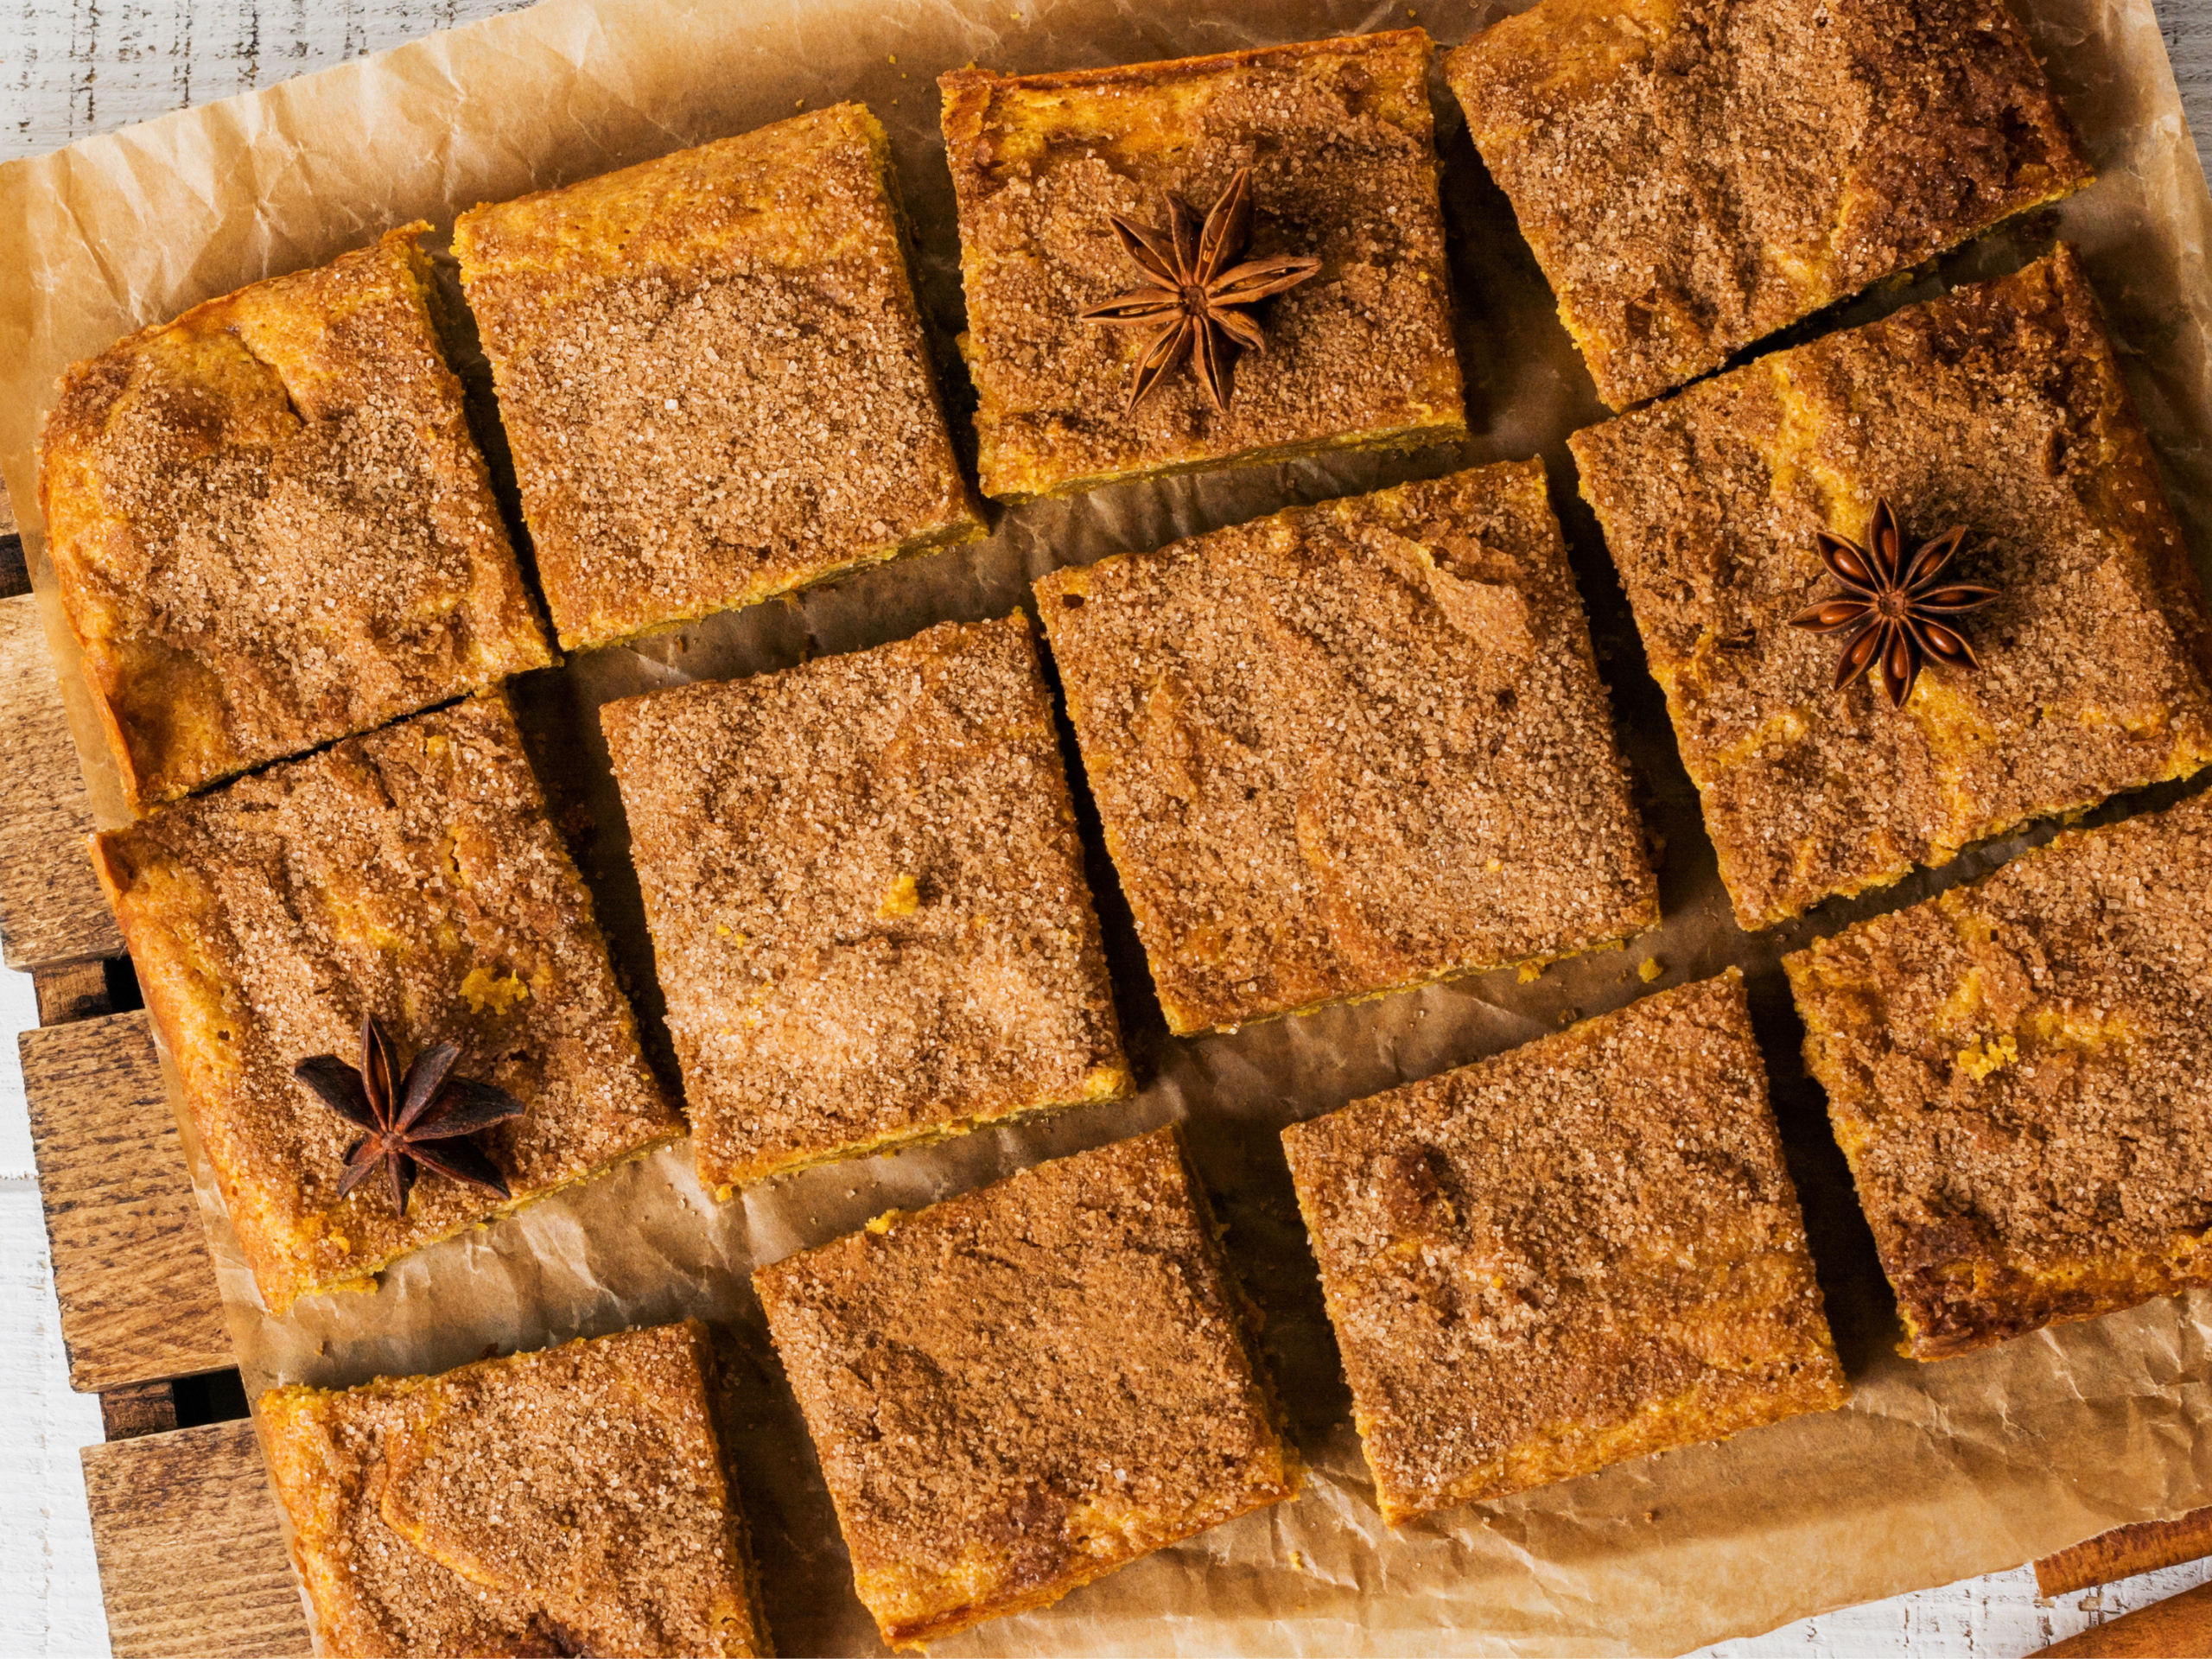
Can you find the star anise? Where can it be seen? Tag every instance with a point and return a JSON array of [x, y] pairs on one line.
[[418, 1120], [1887, 611], [1197, 302]]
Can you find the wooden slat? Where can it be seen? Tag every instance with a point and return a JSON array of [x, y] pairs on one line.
[[50, 907], [2124, 1552], [71, 991], [191, 1559], [130, 1264], [137, 1408], [2180, 1627]]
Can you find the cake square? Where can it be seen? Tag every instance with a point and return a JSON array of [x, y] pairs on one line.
[[1999, 408], [568, 1501], [1583, 1250], [714, 376], [1015, 1392], [1351, 747], [271, 528], [2020, 1074], [867, 900], [1693, 178], [410, 874], [1341, 145]]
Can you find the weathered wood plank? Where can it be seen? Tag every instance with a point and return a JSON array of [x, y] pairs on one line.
[[2180, 1627], [137, 1408], [191, 1561], [2124, 1552], [72, 991], [131, 1265], [50, 907]]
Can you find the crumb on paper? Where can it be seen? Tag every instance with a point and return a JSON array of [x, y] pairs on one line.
[[1649, 969]]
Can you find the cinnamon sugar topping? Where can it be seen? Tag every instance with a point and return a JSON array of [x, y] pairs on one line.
[[1999, 408], [2020, 1073], [570, 1501], [1017, 1391], [412, 873], [866, 900], [1351, 747], [1585, 1249], [713, 375], [1693, 174]]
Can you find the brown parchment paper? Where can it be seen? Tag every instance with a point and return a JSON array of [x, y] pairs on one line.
[[1933, 1473]]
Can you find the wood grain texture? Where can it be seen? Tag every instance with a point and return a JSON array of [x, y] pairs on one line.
[[187, 1530], [132, 1270], [2179, 1627], [137, 1408], [2125, 1551], [50, 907], [72, 991]]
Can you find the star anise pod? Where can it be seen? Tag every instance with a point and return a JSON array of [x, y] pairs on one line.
[[417, 1120], [1196, 302], [1887, 611]]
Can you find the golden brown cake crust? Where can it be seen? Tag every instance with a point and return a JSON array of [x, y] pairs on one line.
[[1999, 407], [568, 1501], [1583, 1250], [2020, 1073], [712, 376], [411, 873], [1341, 141], [1015, 1392], [271, 527], [1351, 747], [1694, 175], [866, 900]]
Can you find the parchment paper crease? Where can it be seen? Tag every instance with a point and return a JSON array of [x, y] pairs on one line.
[[1933, 1473]]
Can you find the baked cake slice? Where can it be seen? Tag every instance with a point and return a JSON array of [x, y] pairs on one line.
[[1999, 409], [1018, 1390], [2020, 1074], [1583, 1250], [712, 376], [867, 900], [568, 1501], [1341, 147], [271, 528], [1352, 748], [411, 875], [1692, 177]]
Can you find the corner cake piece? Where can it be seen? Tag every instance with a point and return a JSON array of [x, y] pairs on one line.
[[1015, 1392], [1341, 145], [867, 900], [568, 1501], [411, 875], [1692, 177], [271, 527], [1998, 408], [2020, 1073], [1351, 747], [714, 376], [1583, 1250]]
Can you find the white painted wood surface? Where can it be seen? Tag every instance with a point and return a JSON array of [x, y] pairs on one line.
[[73, 67]]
